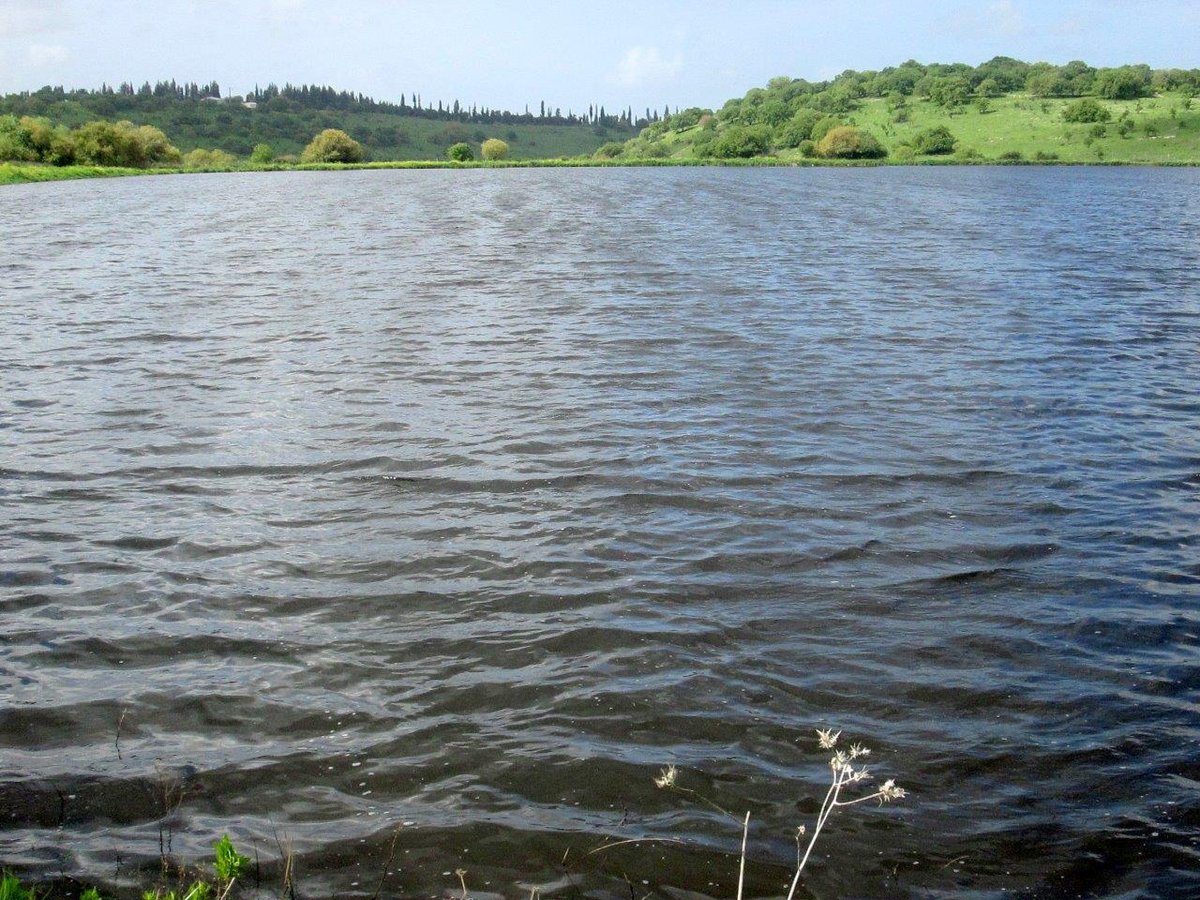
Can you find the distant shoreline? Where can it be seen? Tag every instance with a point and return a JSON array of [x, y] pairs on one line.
[[20, 173]]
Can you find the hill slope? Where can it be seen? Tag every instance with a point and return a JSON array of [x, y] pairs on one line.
[[287, 123], [1001, 110]]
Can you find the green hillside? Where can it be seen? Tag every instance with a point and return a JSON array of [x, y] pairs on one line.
[[1004, 110], [288, 120]]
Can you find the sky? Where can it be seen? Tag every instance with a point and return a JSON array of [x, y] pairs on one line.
[[511, 53]]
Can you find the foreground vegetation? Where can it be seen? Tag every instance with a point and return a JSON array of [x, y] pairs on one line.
[[847, 774]]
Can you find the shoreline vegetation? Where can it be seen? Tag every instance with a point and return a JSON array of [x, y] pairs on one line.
[[1001, 112], [35, 173]]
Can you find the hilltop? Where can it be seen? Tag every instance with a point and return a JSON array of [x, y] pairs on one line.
[[1004, 110]]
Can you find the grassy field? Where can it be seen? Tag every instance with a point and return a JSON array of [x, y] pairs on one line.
[[1164, 130]]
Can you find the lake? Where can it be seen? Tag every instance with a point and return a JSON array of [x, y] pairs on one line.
[[415, 520]]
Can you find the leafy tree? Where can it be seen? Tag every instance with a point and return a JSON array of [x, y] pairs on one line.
[[333, 146], [950, 91], [936, 141], [1045, 80], [742, 142], [494, 148], [460, 152], [14, 141], [990, 87], [797, 129], [1125, 83], [1007, 73], [1086, 110], [122, 144], [848, 142], [823, 127], [262, 154]]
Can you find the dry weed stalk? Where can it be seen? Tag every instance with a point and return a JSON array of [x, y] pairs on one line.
[[843, 774]]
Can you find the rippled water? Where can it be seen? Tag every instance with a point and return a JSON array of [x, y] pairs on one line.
[[418, 518]]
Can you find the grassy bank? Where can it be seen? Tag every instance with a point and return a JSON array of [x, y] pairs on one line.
[[21, 173], [18, 173]]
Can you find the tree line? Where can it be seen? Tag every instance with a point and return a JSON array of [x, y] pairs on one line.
[[108, 101]]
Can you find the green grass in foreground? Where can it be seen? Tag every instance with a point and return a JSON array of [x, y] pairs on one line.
[[21, 173]]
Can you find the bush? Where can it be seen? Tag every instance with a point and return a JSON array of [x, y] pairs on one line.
[[808, 149], [611, 150], [494, 148], [848, 142], [742, 142], [122, 144], [823, 127], [262, 154], [209, 159], [798, 129], [1086, 110], [333, 146], [460, 152], [1012, 155], [14, 141], [936, 141]]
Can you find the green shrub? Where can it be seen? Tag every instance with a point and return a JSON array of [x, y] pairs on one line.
[[936, 141], [494, 148], [1012, 155], [460, 152], [1086, 110], [742, 142], [333, 146], [122, 144], [209, 159], [262, 154], [808, 149], [849, 142], [611, 150], [798, 128], [823, 126]]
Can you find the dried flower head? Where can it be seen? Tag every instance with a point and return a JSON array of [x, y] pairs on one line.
[[667, 778], [857, 750], [888, 791], [827, 738]]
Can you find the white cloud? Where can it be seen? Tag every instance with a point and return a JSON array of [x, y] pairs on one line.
[[1001, 17], [647, 65], [47, 54], [21, 18]]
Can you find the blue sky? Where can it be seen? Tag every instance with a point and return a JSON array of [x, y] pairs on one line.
[[509, 53]]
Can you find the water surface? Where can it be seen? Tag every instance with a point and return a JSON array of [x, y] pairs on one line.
[[418, 518]]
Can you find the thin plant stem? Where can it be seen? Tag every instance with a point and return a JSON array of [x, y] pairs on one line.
[[742, 867]]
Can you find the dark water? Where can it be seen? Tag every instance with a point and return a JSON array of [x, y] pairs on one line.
[[418, 518]]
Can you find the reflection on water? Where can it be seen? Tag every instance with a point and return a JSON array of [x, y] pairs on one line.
[[439, 510]]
